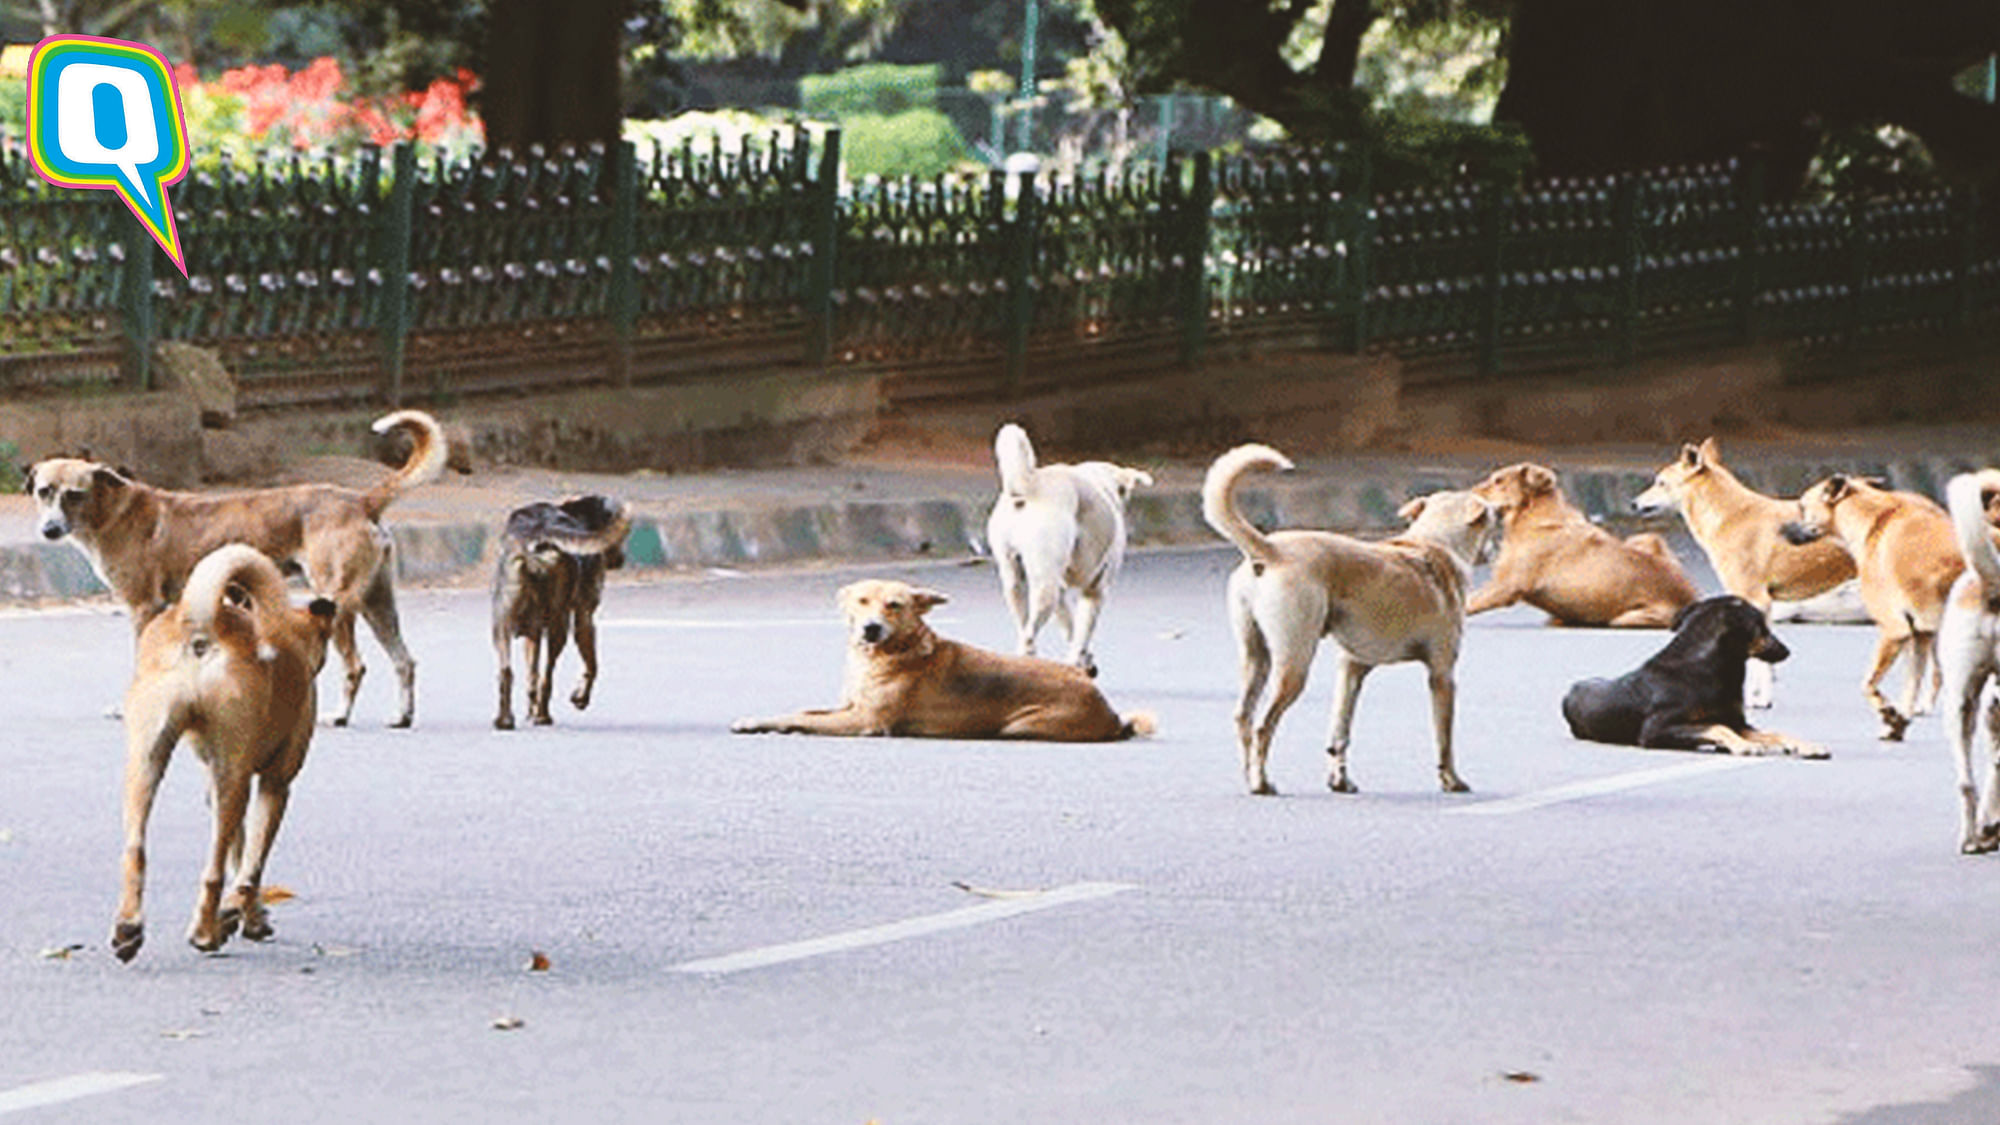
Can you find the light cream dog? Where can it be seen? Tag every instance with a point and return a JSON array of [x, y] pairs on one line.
[[1738, 529], [231, 669], [1908, 558], [1968, 645], [143, 541], [1382, 603], [903, 679], [1057, 530], [1555, 559]]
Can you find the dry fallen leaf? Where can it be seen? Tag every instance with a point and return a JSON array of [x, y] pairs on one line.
[[60, 952], [991, 892], [507, 1023], [1521, 1077], [272, 895], [538, 962]]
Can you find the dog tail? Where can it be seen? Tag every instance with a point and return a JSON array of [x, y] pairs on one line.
[[1139, 724], [1016, 457], [239, 578], [1218, 497], [1966, 496], [430, 455]]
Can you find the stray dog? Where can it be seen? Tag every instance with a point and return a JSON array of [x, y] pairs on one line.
[[1054, 529], [549, 580], [231, 669], [1689, 695], [143, 541], [1403, 599], [903, 679], [1737, 528], [1908, 559], [1556, 560], [1969, 654]]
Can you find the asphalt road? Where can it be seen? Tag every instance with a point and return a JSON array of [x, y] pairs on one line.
[[1592, 935]]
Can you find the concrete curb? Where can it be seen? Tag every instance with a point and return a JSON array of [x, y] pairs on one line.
[[954, 527]]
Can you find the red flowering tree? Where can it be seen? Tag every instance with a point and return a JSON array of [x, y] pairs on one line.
[[263, 106]]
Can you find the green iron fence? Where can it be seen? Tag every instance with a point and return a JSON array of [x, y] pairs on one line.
[[390, 275]]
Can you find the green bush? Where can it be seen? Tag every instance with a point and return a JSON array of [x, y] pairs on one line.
[[1417, 151], [884, 89], [918, 142]]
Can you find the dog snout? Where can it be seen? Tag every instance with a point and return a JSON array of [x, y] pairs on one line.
[[1770, 649], [54, 529], [1799, 534], [874, 632]]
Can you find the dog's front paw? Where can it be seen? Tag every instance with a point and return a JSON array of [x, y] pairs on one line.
[[1980, 844], [1811, 751], [1894, 723], [750, 726], [1452, 783], [503, 722], [126, 938], [580, 698]]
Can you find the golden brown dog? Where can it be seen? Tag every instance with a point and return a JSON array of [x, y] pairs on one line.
[[1382, 603], [1555, 559], [231, 669], [549, 580], [1908, 558], [1738, 529], [903, 679], [143, 541]]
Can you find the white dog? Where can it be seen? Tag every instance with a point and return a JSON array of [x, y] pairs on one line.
[[1968, 652], [1057, 529]]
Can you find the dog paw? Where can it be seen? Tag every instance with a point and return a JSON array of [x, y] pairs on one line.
[[1341, 785], [1978, 845], [1263, 789], [1452, 783], [503, 722], [747, 726], [403, 722], [580, 699], [259, 929], [1811, 751], [1894, 723], [337, 721], [126, 938], [542, 720]]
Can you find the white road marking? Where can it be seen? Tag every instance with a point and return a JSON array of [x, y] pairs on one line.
[[900, 931], [1599, 786], [58, 1090]]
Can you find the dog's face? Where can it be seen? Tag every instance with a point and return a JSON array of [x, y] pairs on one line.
[[70, 493], [1729, 617], [1515, 486], [1464, 522], [879, 611], [1674, 479], [1816, 510]]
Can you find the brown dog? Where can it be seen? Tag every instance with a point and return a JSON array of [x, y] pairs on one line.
[[1908, 558], [231, 669], [903, 679], [143, 541], [549, 580], [1555, 559]]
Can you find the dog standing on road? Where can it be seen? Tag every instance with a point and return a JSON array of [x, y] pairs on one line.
[[549, 580], [1968, 644], [903, 679], [1689, 695], [1908, 558], [231, 669], [1382, 603], [1556, 560], [1738, 529], [1057, 529], [143, 541]]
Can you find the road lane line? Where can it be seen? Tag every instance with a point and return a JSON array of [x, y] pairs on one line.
[[1597, 787], [901, 931], [58, 1090]]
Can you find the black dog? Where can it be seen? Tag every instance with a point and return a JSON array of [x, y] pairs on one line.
[[549, 581], [1689, 696]]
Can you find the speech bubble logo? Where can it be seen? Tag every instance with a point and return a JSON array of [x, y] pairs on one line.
[[106, 114]]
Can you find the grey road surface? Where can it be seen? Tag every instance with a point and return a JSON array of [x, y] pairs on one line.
[[767, 929]]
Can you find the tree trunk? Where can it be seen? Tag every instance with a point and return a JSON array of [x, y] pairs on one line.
[[553, 71]]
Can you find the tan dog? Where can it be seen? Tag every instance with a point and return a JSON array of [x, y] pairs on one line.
[[231, 669], [1968, 646], [1383, 603], [143, 541], [1555, 559], [549, 580], [1738, 529], [1908, 558], [903, 679]]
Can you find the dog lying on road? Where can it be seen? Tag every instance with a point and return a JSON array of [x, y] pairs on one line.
[[143, 541], [1057, 529], [1908, 558], [1382, 603], [1556, 560], [1968, 645], [231, 669], [1689, 695], [549, 580], [903, 679]]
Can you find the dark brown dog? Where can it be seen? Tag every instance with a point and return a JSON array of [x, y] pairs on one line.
[[143, 541], [231, 669], [549, 582]]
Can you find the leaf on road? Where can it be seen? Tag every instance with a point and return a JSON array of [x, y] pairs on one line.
[[507, 1023], [538, 962], [333, 950], [991, 892], [60, 952], [1521, 1077], [183, 1033], [272, 895]]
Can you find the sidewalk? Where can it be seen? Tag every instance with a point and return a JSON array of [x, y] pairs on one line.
[[931, 504]]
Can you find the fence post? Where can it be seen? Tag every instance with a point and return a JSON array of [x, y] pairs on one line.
[[1359, 220], [1750, 251], [624, 248], [1198, 207], [1493, 238], [1857, 272], [1625, 225], [1022, 231], [824, 270], [1964, 297], [136, 301], [392, 320]]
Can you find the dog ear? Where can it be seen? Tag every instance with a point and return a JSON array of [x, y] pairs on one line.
[[1137, 478], [1709, 452], [1690, 457], [924, 599], [1537, 480], [106, 477], [1837, 486], [28, 479], [1410, 511]]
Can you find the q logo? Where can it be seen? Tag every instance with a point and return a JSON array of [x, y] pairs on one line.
[[105, 113]]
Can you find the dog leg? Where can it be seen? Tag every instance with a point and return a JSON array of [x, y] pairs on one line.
[[1760, 680], [558, 638], [503, 655], [1961, 717], [1011, 591], [1887, 647], [1291, 657], [1254, 661], [151, 736], [531, 658], [586, 647], [1494, 595], [378, 605], [246, 886], [1089, 604], [1645, 617], [230, 794], [843, 721], [350, 658], [1989, 813], [1444, 698], [1346, 691], [1921, 699], [1044, 595]]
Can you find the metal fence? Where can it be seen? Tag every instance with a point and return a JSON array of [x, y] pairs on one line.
[[388, 276]]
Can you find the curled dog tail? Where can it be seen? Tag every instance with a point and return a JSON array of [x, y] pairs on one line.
[[1139, 724], [239, 581], [430, 453], [1218, 497], [1965, 496], [1016, 458]]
